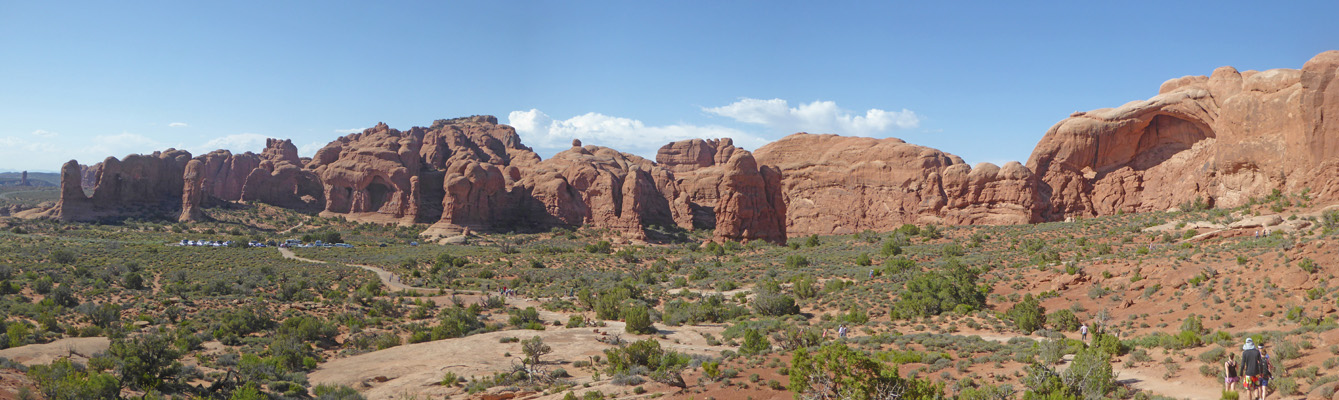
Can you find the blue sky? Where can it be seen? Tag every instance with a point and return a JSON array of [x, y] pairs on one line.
[[980, 80]]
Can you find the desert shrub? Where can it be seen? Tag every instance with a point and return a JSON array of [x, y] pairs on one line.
[[863, 260], [601, 247], [890, 249], [933, 293], [145, 362], [774, 303], [63, 256], [638, 320], [837, 371], [525, 319], [1192, 324], [1212, 356], [456, 322], [1286, 386], [754, 343], [792, 337], [1089, 376], [661, 366], [1063, 320], [64, 380], [952, 250], [101, 315], [1028, 315], [534, 348], [796, 261], [898, 265], [1308, 265], [309, 328], [1108, 344], [804, 287], [133, 281], [710, 309]]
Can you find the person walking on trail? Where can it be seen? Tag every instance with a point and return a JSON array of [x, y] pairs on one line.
[[1230, 367], [1266, 371], [1083, 331], [1252, 367]]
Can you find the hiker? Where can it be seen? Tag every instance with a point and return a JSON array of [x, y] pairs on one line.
[[1230, 381], [1083, 331], [1251, 370], [1265, 373]]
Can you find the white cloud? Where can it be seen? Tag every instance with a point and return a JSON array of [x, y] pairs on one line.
[[177, 125], [44, 133], [310, 149], [624, 134], [239, 143], [348, 131], [815, 117]]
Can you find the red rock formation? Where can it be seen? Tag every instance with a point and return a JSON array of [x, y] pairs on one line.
[[223, 174], [192, 193], [73, 204], [1227, 137], [725, 190], [838, 185], [140, 185], [752, 205], [278, 178], [23, 180], [601, 187]]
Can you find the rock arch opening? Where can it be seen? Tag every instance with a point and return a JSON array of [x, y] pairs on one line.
[[1165, 136], [378, 192]]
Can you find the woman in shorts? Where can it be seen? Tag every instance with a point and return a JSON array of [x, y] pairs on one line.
[[1230, 381]]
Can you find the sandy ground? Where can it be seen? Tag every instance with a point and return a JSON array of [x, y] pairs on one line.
[[78, 349], [387, 278], [417, 369]]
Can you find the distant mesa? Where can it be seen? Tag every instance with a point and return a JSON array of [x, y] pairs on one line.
[[1223, 139]]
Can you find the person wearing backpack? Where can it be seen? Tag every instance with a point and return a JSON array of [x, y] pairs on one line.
[[1252, 369]]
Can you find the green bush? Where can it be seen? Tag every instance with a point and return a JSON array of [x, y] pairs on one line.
[[890, 249], [602, 247], [662, 366], [638, 320], [933, 293], [774, 303], [837, 371], [145, 362], [754, 343], [1063, 320], [1028, 315], [62, 380], [1307, 265], [796, 261], [1108, 344]]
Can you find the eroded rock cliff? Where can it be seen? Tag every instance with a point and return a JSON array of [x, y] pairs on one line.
[[837, 185], [1224, 138]]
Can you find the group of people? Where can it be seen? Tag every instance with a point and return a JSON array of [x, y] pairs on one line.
[[841, 332], [1253, 372]]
